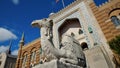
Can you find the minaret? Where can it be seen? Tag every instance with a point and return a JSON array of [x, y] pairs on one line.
[[9, 51], [22, 41], [19, 59]]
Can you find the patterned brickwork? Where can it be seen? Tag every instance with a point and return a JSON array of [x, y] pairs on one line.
[[27, 50], [102, 15]]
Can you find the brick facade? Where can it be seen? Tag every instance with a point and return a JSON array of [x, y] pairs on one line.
[[28, 49], [103, 15]]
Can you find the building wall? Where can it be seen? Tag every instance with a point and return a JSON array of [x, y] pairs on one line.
[[80, 10], [10, 62], [7, 60], [27, 50], [3, 57], [103, 17]]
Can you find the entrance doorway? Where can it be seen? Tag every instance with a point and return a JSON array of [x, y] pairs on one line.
[[70, 27], [84, 45]]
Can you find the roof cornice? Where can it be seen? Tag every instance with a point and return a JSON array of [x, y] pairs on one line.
[[65, 9]]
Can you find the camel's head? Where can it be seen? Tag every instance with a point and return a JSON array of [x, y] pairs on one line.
[[37, 23], [42, 22]]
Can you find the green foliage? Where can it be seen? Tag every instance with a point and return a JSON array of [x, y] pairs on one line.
[[115, 44]]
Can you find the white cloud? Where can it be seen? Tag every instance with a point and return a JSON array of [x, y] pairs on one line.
[[15, 52], [16, 2], [3, 48], [6, 35]]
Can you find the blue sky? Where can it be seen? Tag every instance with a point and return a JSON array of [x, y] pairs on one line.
[[16, 17]]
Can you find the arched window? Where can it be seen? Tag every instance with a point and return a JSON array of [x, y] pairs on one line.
[[33, 56], [13, 65], [10, 65], [72, 34], [80, 31], [115, 20], [90, 30], [84, 45], [24, 61], [118, 16]]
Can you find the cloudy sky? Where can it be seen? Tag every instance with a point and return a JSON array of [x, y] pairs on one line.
[[16, 17]]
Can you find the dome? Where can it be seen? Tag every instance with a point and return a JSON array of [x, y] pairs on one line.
[[51, 14]]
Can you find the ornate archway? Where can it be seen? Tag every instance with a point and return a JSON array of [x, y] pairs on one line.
[[70, 26]]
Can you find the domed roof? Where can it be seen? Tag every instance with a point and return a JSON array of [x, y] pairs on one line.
[[51, 14]]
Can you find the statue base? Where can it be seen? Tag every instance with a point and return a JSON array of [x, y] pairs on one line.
[[56, 64]]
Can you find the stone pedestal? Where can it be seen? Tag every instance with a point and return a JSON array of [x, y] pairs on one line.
[[97, 57], [56, 64]]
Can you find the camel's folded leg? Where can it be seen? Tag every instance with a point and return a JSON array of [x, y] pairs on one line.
[[67, 60]]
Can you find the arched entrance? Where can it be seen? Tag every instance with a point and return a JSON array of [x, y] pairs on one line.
[[70, 27], [84, 45]]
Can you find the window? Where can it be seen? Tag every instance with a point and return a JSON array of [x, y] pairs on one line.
[[80, 31], [13, 65], [84, 46], [72, 34], [24, 60], [40, 51], [10, 65], [0, 63], [40, 55], [0, 57], [115, 20], [118, 16], [90, 30], [33, 56]]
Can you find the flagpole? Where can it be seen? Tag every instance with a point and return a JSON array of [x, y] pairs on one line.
[[63, 3]]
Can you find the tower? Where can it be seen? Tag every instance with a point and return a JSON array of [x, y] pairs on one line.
[[10, 45], [19, 59]]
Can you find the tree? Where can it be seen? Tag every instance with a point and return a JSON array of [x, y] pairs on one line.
[[115, 46]]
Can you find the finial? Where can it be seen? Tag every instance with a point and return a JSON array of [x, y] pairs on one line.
[[22, 38]]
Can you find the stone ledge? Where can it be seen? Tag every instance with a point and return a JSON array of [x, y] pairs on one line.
[[56, 64]]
